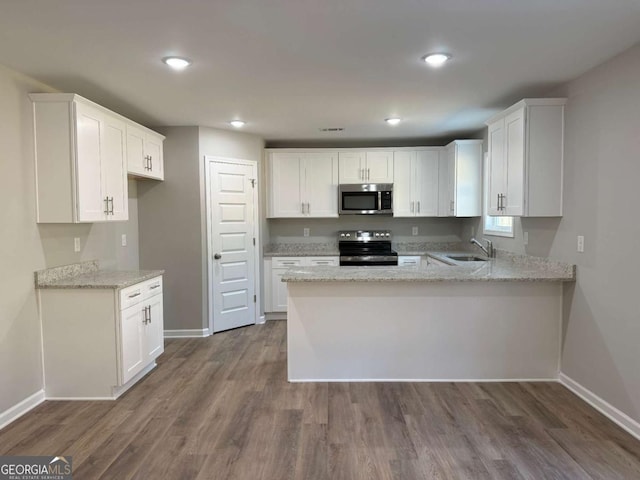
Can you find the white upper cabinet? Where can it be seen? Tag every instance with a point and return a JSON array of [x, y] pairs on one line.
[[366, 167], [461, 179], [415, 189], [302, 184], [525, 166], [144, 153], [80, 153]]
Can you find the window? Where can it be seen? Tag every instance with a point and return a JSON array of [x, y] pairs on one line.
[[498, 226]]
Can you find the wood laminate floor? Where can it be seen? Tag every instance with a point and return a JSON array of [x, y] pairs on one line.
[[221, 408]]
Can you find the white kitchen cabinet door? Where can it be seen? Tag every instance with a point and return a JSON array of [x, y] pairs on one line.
[[132, 335], [278, 290], [461, 179], [114, 168], [136, 162], [285, 184], [144, 153], [426, 183], [379, 167], [352, 167], [403, 186], [153, 149], [154, 329], [514, 152], [526, 145], [320, 193], [92, 201], [415, 186], [497, 167]]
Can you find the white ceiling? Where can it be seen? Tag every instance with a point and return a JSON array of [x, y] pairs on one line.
[[290, 67]]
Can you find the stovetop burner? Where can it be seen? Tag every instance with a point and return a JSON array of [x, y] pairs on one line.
[[366, 247]]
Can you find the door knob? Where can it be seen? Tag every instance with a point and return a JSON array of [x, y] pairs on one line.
[[217, 256]]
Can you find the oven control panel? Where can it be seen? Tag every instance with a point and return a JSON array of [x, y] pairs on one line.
[[363, 235]]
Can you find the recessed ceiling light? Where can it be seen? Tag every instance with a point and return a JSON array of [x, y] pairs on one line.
[[436, 60], [237, 123], [177, 63], [392, 120]]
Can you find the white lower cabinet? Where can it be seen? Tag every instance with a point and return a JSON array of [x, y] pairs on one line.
[[275, 288], [99, 342]]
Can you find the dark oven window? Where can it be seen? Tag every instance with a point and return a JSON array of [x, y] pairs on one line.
[[360, 201]]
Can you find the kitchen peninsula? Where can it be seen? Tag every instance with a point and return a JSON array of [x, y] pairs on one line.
[[494, 320]]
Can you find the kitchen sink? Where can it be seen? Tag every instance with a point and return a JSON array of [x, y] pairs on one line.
[[466, 258]]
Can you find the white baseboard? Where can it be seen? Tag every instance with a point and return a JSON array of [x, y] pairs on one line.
[[194, 333], [19, 409], [620, 418]]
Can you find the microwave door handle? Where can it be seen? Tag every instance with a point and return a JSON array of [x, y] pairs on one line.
[[379, 201]]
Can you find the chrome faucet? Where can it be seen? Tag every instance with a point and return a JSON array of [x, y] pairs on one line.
[[488, 250]]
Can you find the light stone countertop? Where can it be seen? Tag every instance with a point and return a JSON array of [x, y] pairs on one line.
[[88, 275], [301, 250], [506, 267]]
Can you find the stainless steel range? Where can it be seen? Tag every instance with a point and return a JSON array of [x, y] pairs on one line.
[[366, 247]]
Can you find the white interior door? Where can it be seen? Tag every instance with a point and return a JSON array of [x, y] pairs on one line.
[[232, 231]]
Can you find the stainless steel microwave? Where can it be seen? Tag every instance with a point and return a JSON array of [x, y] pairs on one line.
[[365, 199]]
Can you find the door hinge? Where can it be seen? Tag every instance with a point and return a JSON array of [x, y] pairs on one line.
[[254, 299], [253, 182], [254, 241]]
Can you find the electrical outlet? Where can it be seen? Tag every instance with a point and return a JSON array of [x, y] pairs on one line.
[[76, 244], [580, 243], [414, 231], [305, 232], [525, 238], [124, 239]]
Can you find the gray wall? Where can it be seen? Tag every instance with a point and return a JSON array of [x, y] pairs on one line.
[[173, 233], [601, 176], [26, 246], [170, 228]]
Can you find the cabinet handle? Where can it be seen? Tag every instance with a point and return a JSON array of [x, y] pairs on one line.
[[111, 212], [152, 287], [418, 206], [106, 207], [287, 263], [151, 162], [411, 208], [149, 310], [498, 198], [368, 174], [135, 295], [308, 208]]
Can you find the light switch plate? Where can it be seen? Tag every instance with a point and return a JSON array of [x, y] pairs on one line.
[[414, 231], [305, 232], [580, 243], [124, 239], [76, 244]]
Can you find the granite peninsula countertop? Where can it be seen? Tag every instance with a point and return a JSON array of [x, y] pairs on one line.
[[506, 267], [89, 275]]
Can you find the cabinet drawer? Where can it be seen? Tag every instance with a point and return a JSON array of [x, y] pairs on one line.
[[131, 295], [321, 261], [283, 262], [152, 287]]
